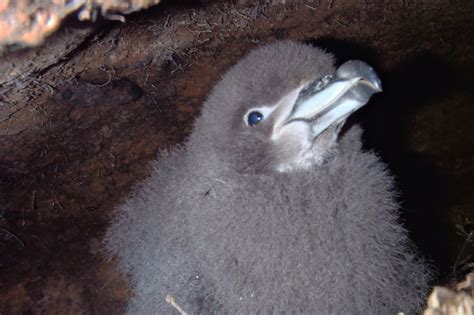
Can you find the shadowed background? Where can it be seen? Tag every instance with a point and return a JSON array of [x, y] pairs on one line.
[[79, 126]]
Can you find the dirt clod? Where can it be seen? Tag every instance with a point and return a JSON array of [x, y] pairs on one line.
[[84, 93]]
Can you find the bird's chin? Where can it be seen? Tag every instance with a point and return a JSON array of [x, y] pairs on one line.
[[312, 151]]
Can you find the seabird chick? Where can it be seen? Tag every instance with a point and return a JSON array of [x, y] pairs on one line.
[[267, 208]]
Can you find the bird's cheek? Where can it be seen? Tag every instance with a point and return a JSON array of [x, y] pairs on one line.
[[291, 143], [297, 132]]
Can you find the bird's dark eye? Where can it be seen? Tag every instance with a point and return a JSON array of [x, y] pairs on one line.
[[254, 118]]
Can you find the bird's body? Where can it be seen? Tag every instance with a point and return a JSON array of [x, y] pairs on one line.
[[225, 229]]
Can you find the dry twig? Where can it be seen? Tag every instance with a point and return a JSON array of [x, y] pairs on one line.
[[170, 300]]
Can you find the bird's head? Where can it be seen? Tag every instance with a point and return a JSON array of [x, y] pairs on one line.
[[281, 108]]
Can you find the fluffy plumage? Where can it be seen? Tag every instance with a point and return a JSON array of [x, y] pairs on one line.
[[219, 229]]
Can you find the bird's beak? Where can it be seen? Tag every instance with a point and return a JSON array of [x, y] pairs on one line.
[[332, 99]]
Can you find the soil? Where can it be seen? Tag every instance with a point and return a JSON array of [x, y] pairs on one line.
[[67, 159]]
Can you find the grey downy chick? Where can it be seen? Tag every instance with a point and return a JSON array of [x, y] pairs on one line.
[[267, 208]]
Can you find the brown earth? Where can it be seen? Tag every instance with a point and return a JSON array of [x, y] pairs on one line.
[[78, 134]]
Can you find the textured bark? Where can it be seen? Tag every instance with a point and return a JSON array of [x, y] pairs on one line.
[[26, 23], [64, 168]]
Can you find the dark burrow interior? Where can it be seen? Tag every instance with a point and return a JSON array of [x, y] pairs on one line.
[[79, 134]]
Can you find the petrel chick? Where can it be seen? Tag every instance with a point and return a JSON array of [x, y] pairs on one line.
[[267, 208]]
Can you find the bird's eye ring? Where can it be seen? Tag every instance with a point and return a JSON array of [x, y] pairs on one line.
[[254, 118]]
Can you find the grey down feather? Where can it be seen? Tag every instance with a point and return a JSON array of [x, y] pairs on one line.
[[222, 237]]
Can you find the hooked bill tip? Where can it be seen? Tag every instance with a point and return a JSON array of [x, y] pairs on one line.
[[359, 69]]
